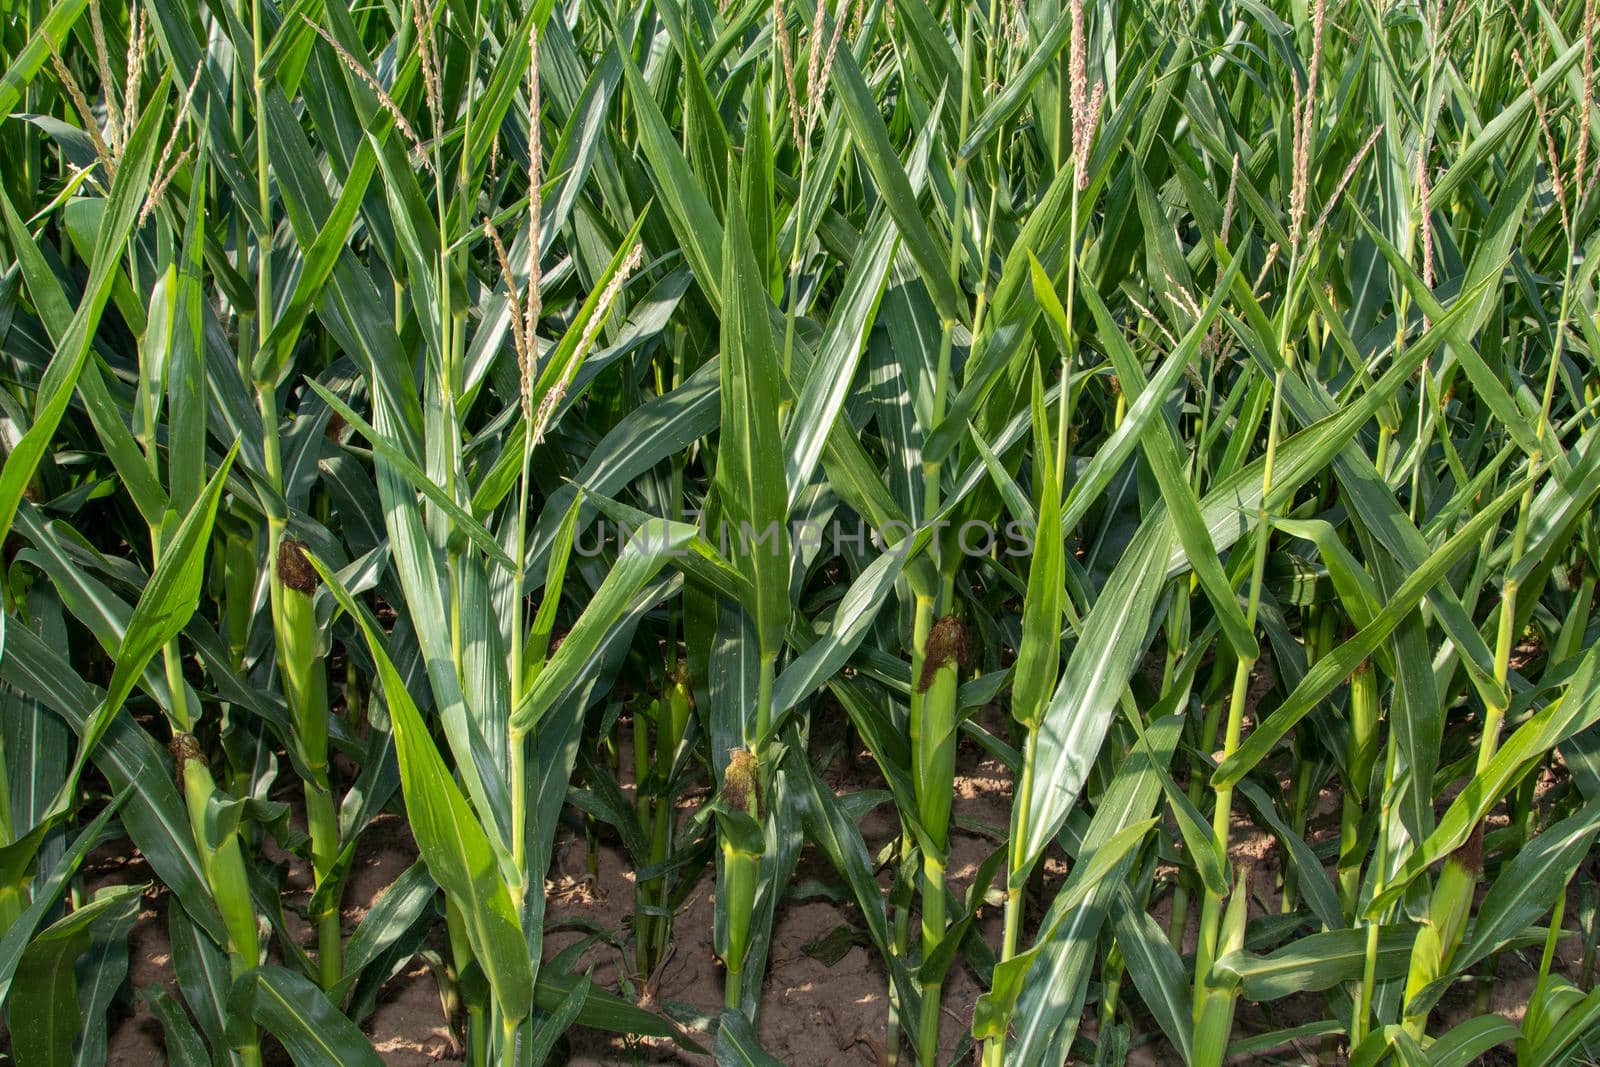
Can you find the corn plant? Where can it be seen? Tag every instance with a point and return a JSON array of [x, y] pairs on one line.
[[1191, 409]]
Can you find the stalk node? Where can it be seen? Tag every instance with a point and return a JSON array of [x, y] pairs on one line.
[[947, 643], [185, 747], [294, 568]]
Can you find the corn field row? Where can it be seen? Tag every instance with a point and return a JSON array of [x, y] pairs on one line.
[[451, 409]]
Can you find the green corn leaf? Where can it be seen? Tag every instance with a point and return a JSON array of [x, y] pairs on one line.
[[394, 454], [605, 1011], [1466, 1043], [47, 37], [1522, 892], [1559, 1045], [647, 550], [14, 942], [1070, 730], [750, 479], [57, 315], [297, 1013], [557, 1021], [737, 1044], [1321, 679], [1039, 657], [1048, 1009], [102, 973], [1577, 708], [688, 208], [1156, 970], [1317, 962], [888, 173], [405, 899], [42, 1012], [164, 609], [996, 1007], [1162, 455], [451, 840], [839, 839], [183, 1045], [55, 389]]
